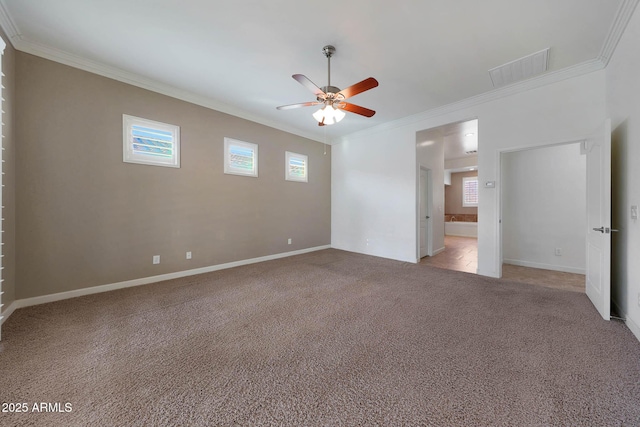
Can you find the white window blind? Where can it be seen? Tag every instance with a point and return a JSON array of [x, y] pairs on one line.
[[240, 158], [470, 191], [296, 167], [2, 46], [151, 143]]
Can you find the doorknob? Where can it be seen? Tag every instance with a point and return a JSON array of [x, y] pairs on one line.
[[601, 229], [430, 217]]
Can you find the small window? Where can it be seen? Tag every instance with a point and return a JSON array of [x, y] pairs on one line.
[[296, 167], [150, 143], [240, 158], [470, 191]]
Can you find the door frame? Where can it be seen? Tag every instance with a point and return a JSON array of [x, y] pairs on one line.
[[429, 226]]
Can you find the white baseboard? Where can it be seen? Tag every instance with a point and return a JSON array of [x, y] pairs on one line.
[[8, 311], [26, 302], [633, 327], [460, 234], [562, 268], [487, 273], [437, 251]]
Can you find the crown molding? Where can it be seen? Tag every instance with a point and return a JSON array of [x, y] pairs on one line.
[[20, 43], [623, 15], [625, 11], [149, 84], [7, 24], [505, 91]]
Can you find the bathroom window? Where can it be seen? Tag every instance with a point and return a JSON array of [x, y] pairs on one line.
[[470, 192]]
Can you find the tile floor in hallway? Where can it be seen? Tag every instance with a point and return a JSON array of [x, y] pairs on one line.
[[461, 254]]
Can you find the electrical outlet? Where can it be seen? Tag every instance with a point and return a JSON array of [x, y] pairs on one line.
[[289, 241], [156, 259], [634, 212], [189, 255], [558, 252]]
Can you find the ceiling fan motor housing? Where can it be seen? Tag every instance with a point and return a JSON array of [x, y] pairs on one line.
[[331, 95]]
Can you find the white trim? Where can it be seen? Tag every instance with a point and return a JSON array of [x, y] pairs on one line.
[[543, 266], [633, 327], [128, 154], [9, 311], [6, 22], [614, 35], [620, 21], [288, 155], [46, 52], [229, 169], [623, 15], [487, 273], [27, 302], [429, 207], [515, 88], [2, 47], [437, 251]]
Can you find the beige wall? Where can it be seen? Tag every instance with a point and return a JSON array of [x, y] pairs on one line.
[[9, 177], [88, 219], [453, 195]]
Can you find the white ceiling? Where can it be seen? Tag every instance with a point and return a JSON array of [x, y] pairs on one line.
[[238, 56]]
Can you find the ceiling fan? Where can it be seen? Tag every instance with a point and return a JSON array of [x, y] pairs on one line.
[[332, 98]]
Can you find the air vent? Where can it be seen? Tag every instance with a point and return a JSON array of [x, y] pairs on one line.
[[520, 69], [471, 151]]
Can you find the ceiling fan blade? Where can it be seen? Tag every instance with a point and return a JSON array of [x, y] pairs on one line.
[[302, 104], [357, 88], [353, 108], [304, 81]]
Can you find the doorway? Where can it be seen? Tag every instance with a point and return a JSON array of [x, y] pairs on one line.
[[543, 215], [597, 212], [447, 231]]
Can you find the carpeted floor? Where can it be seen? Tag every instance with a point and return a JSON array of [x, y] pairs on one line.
[[327, 338]]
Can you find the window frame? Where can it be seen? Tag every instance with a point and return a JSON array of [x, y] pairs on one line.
[[465, 203], [129, 156], [288, 156], [228, 167]]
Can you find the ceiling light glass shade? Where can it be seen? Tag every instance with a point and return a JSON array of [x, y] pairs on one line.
[[329, 114], [319, 115]]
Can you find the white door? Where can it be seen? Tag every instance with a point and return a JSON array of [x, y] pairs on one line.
[[599, 220], [425, 213]]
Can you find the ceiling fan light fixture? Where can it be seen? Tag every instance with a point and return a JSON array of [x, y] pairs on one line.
[[331, 97], [319, 115], [328, 115]]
